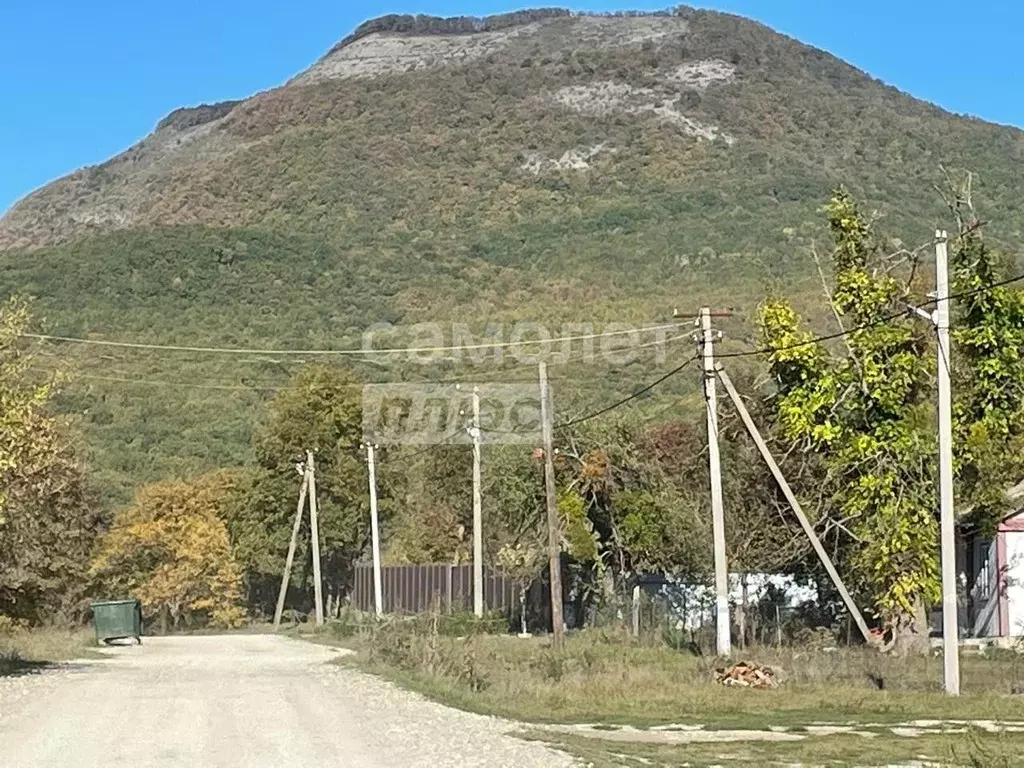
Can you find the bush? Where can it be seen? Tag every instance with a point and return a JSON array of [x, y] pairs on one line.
[[466, 623], [419, 645], [348, 623]]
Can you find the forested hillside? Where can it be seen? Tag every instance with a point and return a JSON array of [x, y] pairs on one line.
[[544, 167]]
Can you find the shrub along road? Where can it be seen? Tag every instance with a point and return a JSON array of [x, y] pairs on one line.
[[253, 700]]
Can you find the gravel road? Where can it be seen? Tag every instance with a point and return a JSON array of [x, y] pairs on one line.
[[240, 700]]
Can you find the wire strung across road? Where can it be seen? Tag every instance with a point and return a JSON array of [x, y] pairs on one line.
[[769, 351], [345, 352], [565, 425], [633, 396], [867, 326]]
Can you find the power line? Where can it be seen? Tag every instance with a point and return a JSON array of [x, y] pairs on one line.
[[341, 352], [817, 340], [867, 326], [644, 390], [638, 393], [274, 388]]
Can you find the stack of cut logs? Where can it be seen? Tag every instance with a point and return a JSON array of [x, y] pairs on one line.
[[746, 675]]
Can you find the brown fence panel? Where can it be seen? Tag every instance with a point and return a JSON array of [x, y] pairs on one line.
[[422, 588]]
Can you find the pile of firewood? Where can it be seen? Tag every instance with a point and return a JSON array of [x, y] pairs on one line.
[[746, 675]]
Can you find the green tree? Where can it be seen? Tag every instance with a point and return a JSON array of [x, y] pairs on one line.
[[320, 412], [170, 549], [436, 521], [988, 372], [867, 413]]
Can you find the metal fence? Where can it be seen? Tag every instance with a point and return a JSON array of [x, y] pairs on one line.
[[422, 588]]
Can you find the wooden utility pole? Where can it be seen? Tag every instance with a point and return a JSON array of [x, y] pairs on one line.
[[554, 528], [950, 628], [371, 465], [478, 536], [286, 576], [826, 561], [724, 634], [314, 528]]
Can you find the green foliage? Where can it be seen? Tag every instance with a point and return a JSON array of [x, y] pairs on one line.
[[621, 508], [988, 370], [435, 522], [863, 412], [578, 538], [320, 412]]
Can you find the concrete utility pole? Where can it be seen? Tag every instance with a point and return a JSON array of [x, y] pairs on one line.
[[478, 536], [950, 629], [371, 466], [947, 521], [314, 528], [554, 527], [286, 576], [724, 637]]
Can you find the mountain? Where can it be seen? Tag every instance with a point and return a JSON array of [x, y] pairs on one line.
[[540, 166]]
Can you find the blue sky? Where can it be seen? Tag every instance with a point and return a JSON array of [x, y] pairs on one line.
[[81, 81]]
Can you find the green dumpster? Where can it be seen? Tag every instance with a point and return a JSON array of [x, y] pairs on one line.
[[117, 619]]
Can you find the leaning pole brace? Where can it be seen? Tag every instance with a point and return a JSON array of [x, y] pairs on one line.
[[748, 422], [303, 470]]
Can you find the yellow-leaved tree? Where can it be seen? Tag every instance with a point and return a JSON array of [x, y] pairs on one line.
[[49, 516], [170, 550]]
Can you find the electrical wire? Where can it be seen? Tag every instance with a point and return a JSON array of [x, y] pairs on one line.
[[341, 352], [866, 326], [633, 396], [275, 388], [815, 340], [638, 393]]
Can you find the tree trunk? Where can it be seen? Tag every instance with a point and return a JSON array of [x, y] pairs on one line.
[[909, 631]]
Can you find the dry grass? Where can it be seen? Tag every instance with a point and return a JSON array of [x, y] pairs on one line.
[[23, 650], [607, 678], [603, 676]]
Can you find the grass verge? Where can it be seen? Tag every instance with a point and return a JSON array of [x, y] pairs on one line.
[[973, 749], [610, 679], [603, 676], [28, 650]]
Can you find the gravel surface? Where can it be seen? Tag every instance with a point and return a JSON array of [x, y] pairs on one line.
[[240, 700]]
